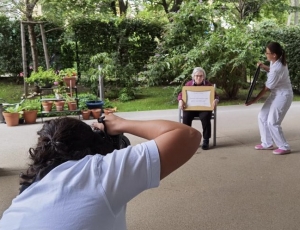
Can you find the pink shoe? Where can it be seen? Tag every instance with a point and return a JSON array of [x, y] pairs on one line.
[[260, 147], [281, 151]]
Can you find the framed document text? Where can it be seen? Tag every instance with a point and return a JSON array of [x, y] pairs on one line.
[[198, 97]]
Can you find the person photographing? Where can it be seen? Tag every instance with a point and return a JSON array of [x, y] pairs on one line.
[[75, 182]]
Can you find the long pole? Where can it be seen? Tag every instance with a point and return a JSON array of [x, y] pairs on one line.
[[24, 58], [101, 88], [45, 46]]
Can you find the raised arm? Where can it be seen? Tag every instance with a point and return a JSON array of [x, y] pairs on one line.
[[176, 142]]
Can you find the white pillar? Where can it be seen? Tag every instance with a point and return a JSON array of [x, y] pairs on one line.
[[101, 88]]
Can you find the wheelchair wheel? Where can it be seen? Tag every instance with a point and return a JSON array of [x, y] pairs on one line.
[[124, 142]]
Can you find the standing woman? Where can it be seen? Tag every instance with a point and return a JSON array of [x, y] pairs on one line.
[[278, 102]]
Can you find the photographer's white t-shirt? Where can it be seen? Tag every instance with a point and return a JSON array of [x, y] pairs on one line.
[[90, 194]]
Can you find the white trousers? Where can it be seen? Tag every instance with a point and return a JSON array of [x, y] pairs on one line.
[[270, 118]]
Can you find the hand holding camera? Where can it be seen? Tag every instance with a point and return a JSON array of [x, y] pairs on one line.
[[107, 129], [109, 123]]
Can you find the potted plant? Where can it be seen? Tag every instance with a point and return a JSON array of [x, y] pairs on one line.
[[96, 107], [108, 107], [59, 90], [59, 105], [69, 75], [72, 104], [43, 78], [83, 98], [12, 115], [93, 102], [30, 109], [47, 105], [86, 113]]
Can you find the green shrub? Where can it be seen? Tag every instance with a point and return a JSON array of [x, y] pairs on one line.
[[83, 98], [31, 104]]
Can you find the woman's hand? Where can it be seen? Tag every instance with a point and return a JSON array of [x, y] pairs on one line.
[[263, 66], [259, 64], [181, 104], [215, 103], [97, 126], [249, 103], [113, 124]]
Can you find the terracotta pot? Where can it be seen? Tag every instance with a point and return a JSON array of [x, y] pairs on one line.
[[47, 106], [72, 105], [70, 81], [30, 116], [85, 114], [11, 119], [96, 113], [59, 105]]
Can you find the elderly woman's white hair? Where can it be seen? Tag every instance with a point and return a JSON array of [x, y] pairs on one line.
[[198, 69]]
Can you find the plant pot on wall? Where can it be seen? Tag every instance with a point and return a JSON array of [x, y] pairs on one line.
[[30, 116], [59, 105], [47, 106], [85, 114], [72, 105], [70, 81], [96, 113], [11, 119], [94, 104]]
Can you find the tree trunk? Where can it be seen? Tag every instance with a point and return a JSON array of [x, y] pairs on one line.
[[45, 46], [165, 6], [176, 5], [32, 39], [296, 19], [113, 7], [123, 7]]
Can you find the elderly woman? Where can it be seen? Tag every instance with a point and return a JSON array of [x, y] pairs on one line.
[[198, 79]]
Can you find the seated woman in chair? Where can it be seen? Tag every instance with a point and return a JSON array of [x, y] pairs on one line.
[[198, 79]]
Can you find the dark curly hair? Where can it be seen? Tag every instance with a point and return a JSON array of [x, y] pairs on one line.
[[61, 140]]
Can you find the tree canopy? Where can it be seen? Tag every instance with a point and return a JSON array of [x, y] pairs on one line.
[[224, 37]]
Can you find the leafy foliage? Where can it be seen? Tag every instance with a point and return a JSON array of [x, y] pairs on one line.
[[121, 47], [216, 37], [289, 38], [10, 55], [31, 104], [42, 77]]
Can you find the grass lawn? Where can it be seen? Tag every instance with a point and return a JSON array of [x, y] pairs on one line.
[[153, 98]]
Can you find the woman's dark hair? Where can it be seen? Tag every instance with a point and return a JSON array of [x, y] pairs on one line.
[[277, 49], [61, 140]]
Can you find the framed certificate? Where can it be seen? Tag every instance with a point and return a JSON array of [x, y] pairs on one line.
[[198, 97]]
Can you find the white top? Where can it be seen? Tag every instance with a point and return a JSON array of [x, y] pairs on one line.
[[91, 193], [278, 79]]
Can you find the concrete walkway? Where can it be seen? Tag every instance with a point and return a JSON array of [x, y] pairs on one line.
[[231, 186]]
